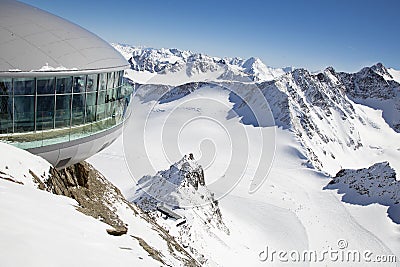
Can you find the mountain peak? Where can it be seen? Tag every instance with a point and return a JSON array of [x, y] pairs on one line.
[[182, 185], [381, 70]]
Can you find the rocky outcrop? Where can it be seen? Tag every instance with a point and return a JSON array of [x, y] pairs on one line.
[[99, 198], [95, 195], [182, 186], [181, 192], [376, 184]]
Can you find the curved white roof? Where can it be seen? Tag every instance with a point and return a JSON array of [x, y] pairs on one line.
[[33, 40]]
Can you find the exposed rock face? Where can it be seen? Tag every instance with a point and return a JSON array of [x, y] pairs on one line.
[[322, 111], [376, 184], [375, 87], [98, 198], [181, 186], [379, 180], [95, 195], [182, 190], [306, 103]]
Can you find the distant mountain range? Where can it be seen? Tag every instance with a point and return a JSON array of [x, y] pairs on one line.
[[322, 108], [173, 61]]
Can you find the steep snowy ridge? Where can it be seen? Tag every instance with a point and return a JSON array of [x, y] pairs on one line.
[[180, 191], [188, 66], [320, 113], [332, 127], [375, 87]]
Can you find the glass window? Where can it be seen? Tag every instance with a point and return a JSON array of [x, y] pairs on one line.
[[91, 99], [91, 83], [24, 86], [119, 92], [5, 86], [102, 97], [100, 113], [78, 109], [91, 107], [121, 74], [110, 80], [110, 109], [116, 78], [63, 111], [45, 85], [24, 112], [111, 95], [6, 114], [102, 81], [45, 112], [64, 85], [79, 84]]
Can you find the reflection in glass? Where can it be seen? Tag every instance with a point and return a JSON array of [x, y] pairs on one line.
[[5, 86], [116, 79], [45, 113], [45, 85], [110, 80], [91, 83], [91, 107], [102, 81], [64, 85], [24, 112], [101, 112], [78, 109], [24, 86], [63, 111], [79, 84], [6, 114], [121, 74]]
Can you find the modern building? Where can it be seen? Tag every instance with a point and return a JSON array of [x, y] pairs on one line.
[[62, 92]]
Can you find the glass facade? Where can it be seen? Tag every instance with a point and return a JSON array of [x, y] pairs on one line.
[[47, 110]]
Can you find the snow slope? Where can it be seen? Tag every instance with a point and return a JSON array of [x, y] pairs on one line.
[[38, 228], [290, 210]]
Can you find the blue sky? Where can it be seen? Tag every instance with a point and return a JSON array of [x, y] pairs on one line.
[[314, 34]]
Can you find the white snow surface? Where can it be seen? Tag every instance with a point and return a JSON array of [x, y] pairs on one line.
[[38, 228], [291, 210], [395, 74], [46, 67]]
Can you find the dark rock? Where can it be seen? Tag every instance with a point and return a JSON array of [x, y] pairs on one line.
[[117, 232]]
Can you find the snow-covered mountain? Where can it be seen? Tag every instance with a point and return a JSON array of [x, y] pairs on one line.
[[378, 88], [181, 195], [174, 66], [317, 130], [328, 115], [324, 111]]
